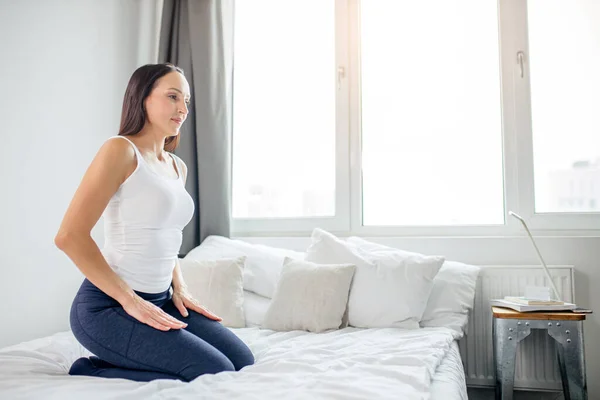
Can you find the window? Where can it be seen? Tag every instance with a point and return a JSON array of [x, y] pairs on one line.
[[284, 115], [565, 82], [431, 113], [402, 117]]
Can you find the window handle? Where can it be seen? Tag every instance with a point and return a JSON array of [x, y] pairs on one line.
[[341, 72], [521, 61]]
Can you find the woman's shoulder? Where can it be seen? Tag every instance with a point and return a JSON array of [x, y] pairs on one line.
[[120, 143], [119, 154], [118, 149], [180, 163], [179, 160]]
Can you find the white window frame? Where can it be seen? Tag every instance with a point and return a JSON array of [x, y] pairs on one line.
[[517, 142], [551, 221]]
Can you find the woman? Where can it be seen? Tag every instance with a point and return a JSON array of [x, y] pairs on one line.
[[124, 311]]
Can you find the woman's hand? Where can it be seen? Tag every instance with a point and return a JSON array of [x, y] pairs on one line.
[[184, 300], [149, 314]]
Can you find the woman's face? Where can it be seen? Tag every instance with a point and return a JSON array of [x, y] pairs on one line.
[[167, 104]]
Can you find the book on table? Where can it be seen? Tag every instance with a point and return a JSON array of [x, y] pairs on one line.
[[526, 307], [533, 302]]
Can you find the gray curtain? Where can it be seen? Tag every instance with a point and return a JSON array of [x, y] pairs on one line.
[[197, 35]]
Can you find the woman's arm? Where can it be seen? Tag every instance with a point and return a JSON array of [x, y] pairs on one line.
[[178, 282], [182, 299], [114, 162], [184, 171]]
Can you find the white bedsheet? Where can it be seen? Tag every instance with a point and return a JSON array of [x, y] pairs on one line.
[[449, 379], [344, 364]]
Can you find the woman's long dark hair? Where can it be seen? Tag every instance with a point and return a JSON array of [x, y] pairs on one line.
[[141, 83]]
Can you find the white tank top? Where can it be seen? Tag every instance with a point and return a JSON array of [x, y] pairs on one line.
[[143, 225]]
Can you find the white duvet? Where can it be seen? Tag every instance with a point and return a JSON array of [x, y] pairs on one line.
[[344, 364]]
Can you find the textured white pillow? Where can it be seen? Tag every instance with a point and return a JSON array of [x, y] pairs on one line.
[[217, 284], [452, 295], [263, 263], [309, 296], [390, 288]]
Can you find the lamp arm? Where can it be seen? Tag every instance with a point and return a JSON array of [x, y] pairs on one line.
[[539, 256]]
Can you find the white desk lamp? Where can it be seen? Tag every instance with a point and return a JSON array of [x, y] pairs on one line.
[[539, 255]]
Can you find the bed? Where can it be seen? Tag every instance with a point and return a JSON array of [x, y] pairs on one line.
[[349, 363], [405, 313]]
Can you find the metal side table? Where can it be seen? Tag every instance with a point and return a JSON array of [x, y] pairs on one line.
[[510, 327]]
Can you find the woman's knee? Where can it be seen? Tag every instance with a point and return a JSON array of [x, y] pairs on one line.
[[208, 365], [243, 359]]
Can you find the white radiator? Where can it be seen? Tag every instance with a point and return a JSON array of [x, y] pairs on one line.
[[536, 364]]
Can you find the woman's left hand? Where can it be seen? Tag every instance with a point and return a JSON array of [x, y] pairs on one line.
[[184, 300]]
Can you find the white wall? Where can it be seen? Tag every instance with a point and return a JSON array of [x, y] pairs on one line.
[[64, 66]]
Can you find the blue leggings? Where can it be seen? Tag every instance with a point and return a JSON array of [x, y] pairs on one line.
[[126, 348]]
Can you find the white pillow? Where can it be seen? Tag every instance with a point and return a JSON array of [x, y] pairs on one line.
[[255, 308], [452, 295], [390, 288], [217, 284], [309, 296], [263, 263]]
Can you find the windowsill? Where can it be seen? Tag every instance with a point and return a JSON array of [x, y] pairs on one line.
[[555, 234]]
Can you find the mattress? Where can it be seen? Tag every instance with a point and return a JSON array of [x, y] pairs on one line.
[[349, 363], [448, 382], [449, 379]]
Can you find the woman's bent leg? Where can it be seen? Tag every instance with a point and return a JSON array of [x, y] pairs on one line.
[[175, 353], [106, 330], [215, 334], [93, 366]]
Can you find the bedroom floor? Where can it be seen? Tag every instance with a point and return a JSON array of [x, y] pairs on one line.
[[488, 394]]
